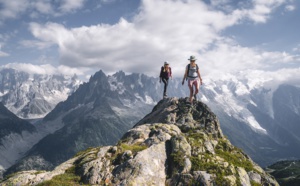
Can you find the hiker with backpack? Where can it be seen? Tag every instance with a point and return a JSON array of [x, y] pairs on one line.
[[165, 74], [192, 75]]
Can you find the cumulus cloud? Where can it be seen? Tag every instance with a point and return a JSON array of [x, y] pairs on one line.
[[44, 7], [227, 57], [12, 9], [45, 69], [175, 30], [169, 30], [271, 79], [290, 8], [262, 9], [71, 5]]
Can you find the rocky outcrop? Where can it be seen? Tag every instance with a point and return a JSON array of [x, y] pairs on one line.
[[176, 144]]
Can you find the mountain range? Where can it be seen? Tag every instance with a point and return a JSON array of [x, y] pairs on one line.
[[98, 113], [259, 118], [31, 96]]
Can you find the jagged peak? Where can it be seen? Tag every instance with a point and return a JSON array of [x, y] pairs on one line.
[[179, 111], [120, 74], [98, 75], [176, 144]]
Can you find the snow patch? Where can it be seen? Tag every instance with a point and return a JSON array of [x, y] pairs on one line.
[[253, 103], [253, 123], [149, 100], [138, 96], [3, 93], [140, 80], [115, 85], [121, 112], [127, 103], [232, 97], [204, 99], [241, 90]]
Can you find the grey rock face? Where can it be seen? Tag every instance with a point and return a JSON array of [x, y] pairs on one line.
[[191, 150]]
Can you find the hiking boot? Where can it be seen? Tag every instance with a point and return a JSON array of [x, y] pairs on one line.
[[195, 97]]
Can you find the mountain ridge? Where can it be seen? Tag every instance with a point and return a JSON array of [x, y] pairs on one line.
[[94, 115], [239, 106], [175, 144]]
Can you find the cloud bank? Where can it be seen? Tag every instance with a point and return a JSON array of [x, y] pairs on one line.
[[162, 30], [46, 69]]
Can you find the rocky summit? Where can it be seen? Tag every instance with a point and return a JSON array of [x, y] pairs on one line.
[[176, 144]]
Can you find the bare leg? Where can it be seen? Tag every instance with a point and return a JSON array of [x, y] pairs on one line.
[[191, 93], [196, 87]]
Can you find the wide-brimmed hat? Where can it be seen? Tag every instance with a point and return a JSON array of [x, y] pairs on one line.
[[192, 58], [166, 63]]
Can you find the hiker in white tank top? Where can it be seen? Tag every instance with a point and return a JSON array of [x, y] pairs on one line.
[[192, 74]]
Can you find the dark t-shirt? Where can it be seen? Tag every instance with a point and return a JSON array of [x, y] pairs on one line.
[[165, 74]]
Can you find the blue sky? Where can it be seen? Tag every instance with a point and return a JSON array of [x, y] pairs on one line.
[[83, 36]]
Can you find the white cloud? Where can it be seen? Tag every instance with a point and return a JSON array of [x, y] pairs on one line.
[[71, 5], [227, 57], [31, 69], [272, 79], [12, 9], [163, 30], [290, 8], [151, 38], [45, 69], [54, 33], [262, 9], [44, 7]]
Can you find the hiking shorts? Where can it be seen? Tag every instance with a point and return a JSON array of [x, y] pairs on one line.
[[194, 82]]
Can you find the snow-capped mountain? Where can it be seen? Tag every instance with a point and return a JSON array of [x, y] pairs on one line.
[[34, 95], [97, 113], [255, 114]]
